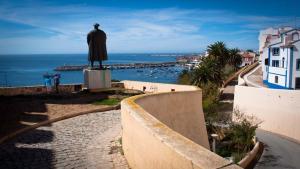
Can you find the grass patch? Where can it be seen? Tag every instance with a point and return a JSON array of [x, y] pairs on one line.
[[109, 102]]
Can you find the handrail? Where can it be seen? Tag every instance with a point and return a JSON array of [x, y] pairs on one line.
[[248, 69], [242, 72]]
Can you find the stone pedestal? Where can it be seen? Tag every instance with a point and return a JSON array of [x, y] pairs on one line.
[[97, 79]]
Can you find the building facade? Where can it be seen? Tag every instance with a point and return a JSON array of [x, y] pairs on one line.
[[281, 60], [248, 58]]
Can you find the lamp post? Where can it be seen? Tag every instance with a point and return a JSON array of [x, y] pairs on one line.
[[214, 136]]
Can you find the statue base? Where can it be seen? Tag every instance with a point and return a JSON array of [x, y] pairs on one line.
[[96, 79]]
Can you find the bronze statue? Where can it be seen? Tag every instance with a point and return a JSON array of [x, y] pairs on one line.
[[96, 40]]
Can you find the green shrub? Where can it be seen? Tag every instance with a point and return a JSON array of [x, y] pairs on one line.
[[241, 133]]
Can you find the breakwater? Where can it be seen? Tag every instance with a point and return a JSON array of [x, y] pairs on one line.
[[120, 66]]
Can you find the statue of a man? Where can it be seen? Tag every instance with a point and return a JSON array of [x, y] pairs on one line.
[[96, 40]]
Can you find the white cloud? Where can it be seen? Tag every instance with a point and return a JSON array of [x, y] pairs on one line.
[[151, 30]]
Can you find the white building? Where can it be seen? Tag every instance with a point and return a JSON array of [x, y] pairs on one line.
[[280, 56], [269, 34], [247, 57]]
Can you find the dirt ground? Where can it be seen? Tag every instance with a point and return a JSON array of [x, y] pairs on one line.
[[17, 112]]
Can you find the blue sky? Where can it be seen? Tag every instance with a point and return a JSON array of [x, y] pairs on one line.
[[136, 26]]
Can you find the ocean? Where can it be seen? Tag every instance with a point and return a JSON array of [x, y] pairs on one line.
[[28, 70]]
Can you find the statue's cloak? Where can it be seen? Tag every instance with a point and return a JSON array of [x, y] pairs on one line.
[[96, 40]]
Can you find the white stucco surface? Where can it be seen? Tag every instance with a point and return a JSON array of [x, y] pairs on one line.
[[279, 110], [166, 130]]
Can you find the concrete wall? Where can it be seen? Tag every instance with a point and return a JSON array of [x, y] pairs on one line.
[[29, 90], [182, 112], [156, 87], [166, 130], [278, 109]]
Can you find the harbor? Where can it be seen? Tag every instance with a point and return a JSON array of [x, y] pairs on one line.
[[121, 66], [142, 67]]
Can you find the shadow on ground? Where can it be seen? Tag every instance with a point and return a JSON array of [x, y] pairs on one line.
[[13, 156], [21, 111]]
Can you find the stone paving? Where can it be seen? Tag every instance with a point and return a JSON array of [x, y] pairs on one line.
[[87, 141]]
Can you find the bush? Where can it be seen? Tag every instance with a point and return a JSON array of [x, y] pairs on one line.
[[243, 130], [240, 134]]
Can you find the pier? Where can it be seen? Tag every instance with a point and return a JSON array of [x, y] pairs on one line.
[[120, 66]]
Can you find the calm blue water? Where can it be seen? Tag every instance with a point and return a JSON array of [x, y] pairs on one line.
[[24, 70]]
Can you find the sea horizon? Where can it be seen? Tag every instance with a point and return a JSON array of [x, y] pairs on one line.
[[113, 53], [28, 69]]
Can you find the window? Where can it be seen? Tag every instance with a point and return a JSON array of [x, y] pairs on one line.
[[298, 64], [297, 85], [267, 62], [295, 36], [275, 51], [276, 79], [275, 63]]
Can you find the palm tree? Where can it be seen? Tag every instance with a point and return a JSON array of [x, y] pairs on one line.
[[207, 71], [218, 51], [184, 77], [235, 59], [212, 68]]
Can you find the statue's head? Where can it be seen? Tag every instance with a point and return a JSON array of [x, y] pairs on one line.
[[96, 25]]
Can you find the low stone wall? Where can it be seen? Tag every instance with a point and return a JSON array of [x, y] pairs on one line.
[[167, 129], [29, 90], [150, 87], [252, 157], [32, 90], [279, 109]]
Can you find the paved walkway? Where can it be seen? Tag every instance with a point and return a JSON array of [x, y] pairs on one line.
[[87, 141], [228, 92], [279, 153], [255, 78]]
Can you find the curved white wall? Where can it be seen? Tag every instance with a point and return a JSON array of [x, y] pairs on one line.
[[278, 109], [156, 87], [167, 130]]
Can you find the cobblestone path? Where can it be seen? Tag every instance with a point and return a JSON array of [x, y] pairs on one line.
[[87, 141]]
